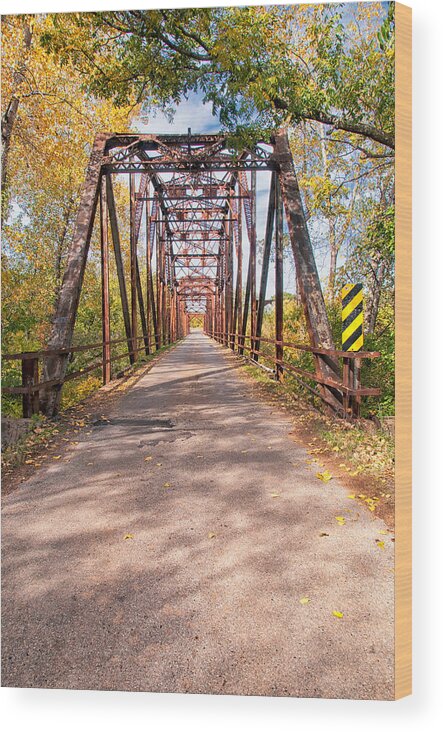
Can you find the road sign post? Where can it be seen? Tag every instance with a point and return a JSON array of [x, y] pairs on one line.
[[352, 339]]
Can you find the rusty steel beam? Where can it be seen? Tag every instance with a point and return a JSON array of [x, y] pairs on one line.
[[69, 296], [265, 265], [136, 213], [133, 261], [278, 206], [158, 283], [163, 285], [239, 288], [141, 306], [253, 255], [119, 265], [139, 204], [317, 322], [153, 311], [200, 166], [104, 251], [148, 253], [151, 229]]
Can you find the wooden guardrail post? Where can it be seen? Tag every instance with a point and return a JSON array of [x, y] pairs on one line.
[[356, 403], [31, 399]]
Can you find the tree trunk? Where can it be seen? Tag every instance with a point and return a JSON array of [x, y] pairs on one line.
[[333, 247], [60, 249], [9, 117], [373, 300]]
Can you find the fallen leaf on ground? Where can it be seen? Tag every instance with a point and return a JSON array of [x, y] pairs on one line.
[[380, 544], [351, 495], [324, 476], [323, 533], [211, 535], [56, 457], [158, 464], [129, 536], [337, 614], [148, 458], [166, 485], [382, 531], [275, 495], [340, 520], [304, 600]]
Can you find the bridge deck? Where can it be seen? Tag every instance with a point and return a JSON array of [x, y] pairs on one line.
[[175, 608]]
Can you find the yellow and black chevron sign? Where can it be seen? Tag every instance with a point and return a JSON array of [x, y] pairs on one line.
[[352, 317]]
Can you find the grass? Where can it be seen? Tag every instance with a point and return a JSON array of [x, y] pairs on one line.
[[371, 451]]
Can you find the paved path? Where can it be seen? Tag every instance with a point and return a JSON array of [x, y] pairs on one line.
[[175, 608]]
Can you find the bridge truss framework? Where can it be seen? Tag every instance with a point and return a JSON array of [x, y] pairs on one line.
[[199, 201]]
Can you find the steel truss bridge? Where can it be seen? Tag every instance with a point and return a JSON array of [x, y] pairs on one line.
[[198, 199]]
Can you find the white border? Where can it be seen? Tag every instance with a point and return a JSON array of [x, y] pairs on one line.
[[66, 710]]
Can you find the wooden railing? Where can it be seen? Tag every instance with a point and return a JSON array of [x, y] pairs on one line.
[[31, 387], [347, 383]]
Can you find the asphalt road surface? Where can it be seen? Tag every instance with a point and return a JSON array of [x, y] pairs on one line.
[[203, 595]]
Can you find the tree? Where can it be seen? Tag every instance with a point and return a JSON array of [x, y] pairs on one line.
[[261, 67], [48, 150], [12, 83], [341, 183]]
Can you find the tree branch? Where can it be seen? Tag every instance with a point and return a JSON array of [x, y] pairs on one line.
[[358, 128]]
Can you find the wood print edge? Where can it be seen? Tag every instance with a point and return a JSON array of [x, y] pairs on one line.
[[403, 352]]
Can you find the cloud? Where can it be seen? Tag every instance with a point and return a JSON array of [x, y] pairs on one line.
[[190, 112]]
